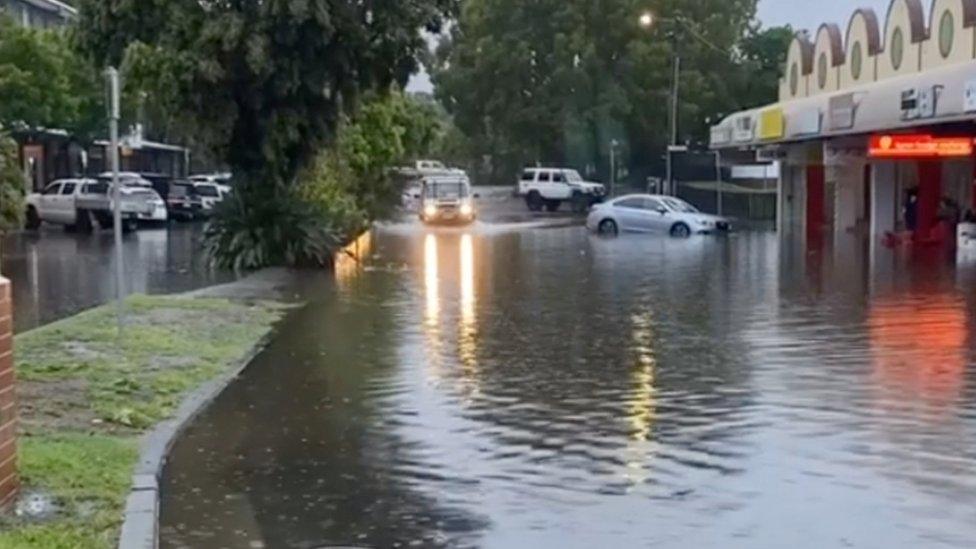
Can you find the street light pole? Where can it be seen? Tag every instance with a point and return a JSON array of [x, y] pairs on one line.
[[718, 184], [113, 129], [673, 118], [613, 167], [647, 20]]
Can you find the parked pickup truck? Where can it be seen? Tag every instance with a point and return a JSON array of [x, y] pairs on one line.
[[81, 203]]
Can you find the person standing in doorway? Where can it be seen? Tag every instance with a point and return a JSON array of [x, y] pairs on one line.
[[910, 210]]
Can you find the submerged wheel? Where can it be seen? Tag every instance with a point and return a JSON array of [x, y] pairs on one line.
[[534, 201], [680, 230], [608, 227], [33, 221], [580, 203], [552, 205], [84, 221]]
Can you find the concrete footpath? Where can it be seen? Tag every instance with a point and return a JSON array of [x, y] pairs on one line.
[[140, 529]]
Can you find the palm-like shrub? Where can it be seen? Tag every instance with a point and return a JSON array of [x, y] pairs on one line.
[[258, 227]]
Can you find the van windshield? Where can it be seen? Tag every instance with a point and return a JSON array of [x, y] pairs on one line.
[[445, 190]]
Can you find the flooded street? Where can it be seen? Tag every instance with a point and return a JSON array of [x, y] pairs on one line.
[[56, 274], [511, 387]]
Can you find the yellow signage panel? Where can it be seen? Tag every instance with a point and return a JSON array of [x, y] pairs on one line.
[[772, 124]]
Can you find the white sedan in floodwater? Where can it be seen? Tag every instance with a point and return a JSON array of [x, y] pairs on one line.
[[647, 213]]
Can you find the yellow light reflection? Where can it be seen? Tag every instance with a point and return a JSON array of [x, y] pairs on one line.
[[431, 280], [349, 260], [468, 337], [642, 407], [642, 404]]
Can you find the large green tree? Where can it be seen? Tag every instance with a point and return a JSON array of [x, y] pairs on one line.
[[44, 83], [558, 80], [263, 83], [264, 86]]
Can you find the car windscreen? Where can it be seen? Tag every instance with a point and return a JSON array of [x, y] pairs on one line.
[[445, 190], [680, 206], [208, 190], [181, 191], [573, 176], [95, 188]]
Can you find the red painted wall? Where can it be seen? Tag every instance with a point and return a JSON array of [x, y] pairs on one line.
[[929, 195], [816, 197]]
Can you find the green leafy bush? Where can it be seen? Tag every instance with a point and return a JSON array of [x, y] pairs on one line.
[[12, 186], [259, 226]]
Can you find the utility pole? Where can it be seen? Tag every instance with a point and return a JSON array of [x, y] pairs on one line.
[[113, 130], [613, 167], [673, 118], [718, 172]]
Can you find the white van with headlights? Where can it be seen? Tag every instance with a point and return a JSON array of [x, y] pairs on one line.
[[447, 199]]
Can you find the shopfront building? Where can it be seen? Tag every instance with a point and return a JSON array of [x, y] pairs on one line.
[[875, 125]]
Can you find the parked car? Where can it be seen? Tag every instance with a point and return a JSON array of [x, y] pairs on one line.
[[210, 195], [79, 204], [221, 180], [447, 199], [184, 201], [648, 213], [128, 179], [136, 184], [549, 187]]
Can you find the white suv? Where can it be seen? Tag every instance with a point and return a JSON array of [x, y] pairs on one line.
[[549, 187]]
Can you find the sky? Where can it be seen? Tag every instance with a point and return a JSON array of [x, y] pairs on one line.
[[802, 14]]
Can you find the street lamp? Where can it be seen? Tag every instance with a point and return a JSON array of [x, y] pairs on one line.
[[647, 21]]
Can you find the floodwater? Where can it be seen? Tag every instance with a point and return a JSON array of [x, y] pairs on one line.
[[57, 274], [510, 387]]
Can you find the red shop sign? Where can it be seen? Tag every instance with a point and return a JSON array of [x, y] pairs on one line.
[[919, 146]]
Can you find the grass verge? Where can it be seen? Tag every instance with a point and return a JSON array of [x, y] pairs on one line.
[[86, 395]]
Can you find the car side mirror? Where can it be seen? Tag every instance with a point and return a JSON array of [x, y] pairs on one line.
[[416, 197], [662, 211], [477, 195]]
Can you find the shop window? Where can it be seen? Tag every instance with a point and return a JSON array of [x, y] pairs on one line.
[[897, 48], [857, 61], [947, 30], [822, 71]]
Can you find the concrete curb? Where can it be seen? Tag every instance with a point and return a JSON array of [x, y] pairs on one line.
[[140, 528]]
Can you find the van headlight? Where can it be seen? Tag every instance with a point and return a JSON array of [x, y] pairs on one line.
[[430, 210], [466, 209]]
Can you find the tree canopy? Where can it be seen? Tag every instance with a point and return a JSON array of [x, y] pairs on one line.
[[44, 83], [264, 84], [557, 80]]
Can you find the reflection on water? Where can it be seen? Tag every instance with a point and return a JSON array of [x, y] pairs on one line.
[[57, 274], [545, 388]]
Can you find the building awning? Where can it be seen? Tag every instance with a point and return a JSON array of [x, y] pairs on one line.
[[938, 96]]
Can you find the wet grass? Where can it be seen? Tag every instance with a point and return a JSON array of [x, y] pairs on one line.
[[91, 394]]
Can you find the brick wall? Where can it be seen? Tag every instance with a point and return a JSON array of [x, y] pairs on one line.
[[8, 405]]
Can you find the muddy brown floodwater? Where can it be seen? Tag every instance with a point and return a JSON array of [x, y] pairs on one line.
[[526, 387]]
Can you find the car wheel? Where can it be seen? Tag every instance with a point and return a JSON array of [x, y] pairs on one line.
[[129, 225], [552, 205], [534, 201], [608, 227], [580, 202], [33, 221], [84, 222], [680, 230]]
